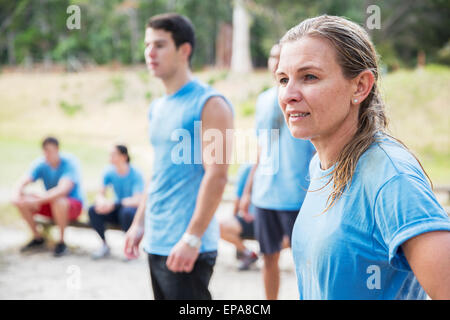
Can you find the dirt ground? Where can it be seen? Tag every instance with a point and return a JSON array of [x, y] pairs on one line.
[[77, 276]]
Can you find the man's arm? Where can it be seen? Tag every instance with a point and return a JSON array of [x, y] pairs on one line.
[[20, 188], [247, 194], [217, 117], [63, 188], [136, 231]]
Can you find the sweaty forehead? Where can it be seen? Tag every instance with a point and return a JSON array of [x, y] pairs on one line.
[[307, 51]]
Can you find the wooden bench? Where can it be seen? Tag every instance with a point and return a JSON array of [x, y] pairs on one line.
[[82, 222], [47, 223]]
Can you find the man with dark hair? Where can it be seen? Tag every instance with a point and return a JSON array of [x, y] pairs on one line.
[[180, 28], [63, 199], [181, 233]]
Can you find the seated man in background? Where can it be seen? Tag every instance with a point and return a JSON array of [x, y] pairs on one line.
[[128, 185], [240, 226], [63, 199]]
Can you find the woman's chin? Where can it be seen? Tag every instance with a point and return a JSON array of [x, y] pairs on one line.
[[299, 133]]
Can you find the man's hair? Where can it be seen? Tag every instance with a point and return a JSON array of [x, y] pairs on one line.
[[180, 27], [50, 140]]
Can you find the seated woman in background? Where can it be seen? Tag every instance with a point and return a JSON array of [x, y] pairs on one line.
[[128, 185]]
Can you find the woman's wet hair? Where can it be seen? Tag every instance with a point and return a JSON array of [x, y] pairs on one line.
[[123, 150]]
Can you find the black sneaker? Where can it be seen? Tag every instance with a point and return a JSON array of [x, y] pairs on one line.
[[33, 245], [60, 249]]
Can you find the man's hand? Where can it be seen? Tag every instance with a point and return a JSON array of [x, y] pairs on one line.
[[132, 239], [247, 217], [182, 257], [33, 202]]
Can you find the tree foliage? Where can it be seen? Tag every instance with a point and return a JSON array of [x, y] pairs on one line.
[[112, 30]]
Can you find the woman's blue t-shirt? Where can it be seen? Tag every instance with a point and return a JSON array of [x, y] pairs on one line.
[[124, 186], [353, 250]]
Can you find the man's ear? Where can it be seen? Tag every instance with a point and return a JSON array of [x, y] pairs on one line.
[[363, 84], [185, 50]]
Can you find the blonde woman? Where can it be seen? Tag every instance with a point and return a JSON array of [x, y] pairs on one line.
[[370, 226]]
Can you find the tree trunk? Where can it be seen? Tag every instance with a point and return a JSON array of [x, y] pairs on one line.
[[10, 49], [223, 46], [240, 58]]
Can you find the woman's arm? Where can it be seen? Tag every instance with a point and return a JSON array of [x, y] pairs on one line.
[[428, 255]]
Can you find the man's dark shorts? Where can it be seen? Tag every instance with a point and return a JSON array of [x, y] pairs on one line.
[[248, 228], [271, 226], [168, 285]]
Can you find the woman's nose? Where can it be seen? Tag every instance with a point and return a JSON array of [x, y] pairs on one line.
[[290, 94]]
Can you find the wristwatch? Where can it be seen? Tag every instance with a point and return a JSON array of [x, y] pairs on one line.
[[192, 240]]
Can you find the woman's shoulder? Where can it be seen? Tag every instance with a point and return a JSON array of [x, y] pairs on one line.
[[135, 171], [385, 159]]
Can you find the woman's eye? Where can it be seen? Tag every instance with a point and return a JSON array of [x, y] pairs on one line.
[[283, 81], [310, 77]]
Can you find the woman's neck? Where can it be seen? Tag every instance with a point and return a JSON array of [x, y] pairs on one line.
[[330, 146], [122, 168]]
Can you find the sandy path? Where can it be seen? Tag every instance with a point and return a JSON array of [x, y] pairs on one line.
[[77, 276]]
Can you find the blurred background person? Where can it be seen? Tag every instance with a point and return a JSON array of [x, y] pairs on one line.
[[63, 199], [240, 226], [277, 183], [128, 186]]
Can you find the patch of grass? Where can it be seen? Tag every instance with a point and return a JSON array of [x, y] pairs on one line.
[[148, 96], [247, 108], [435, 163], [118, 89], [222, 75], [144, 76], [70, 109]]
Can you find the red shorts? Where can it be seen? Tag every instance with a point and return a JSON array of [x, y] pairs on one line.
[[75, 208]]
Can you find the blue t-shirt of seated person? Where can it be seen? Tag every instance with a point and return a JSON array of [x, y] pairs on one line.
[[124, 186], [175, 135], [353, 250], [68, 167]]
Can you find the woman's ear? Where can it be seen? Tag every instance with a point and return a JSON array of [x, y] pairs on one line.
[[363, 85]]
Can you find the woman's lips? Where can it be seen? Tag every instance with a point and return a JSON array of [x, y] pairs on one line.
[[298, 116]]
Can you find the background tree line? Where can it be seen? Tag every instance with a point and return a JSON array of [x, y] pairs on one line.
[[112, 31]]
